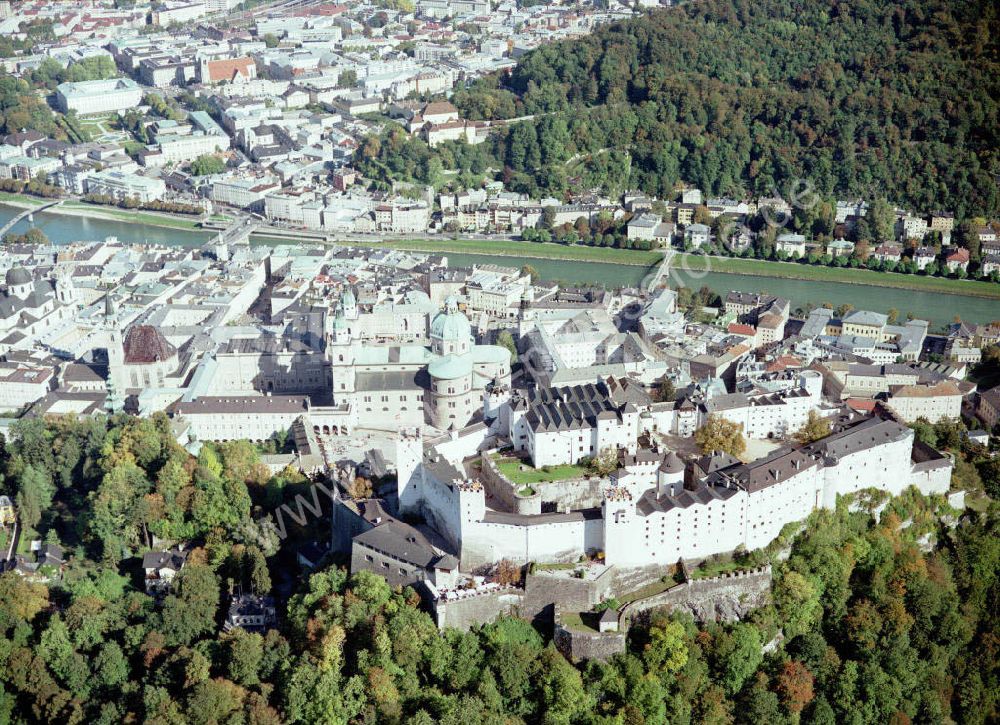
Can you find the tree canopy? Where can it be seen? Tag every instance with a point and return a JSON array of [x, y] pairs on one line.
[[875, 624], [719, 434]]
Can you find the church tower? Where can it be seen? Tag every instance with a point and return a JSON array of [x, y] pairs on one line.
[[65, 289], [349, 304]]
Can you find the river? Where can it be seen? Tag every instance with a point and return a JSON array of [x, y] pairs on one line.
[[938, 308]]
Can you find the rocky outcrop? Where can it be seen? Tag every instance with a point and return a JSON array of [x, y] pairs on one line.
[[725, 598]]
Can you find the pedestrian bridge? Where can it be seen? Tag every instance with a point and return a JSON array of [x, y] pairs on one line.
[[27, 213]]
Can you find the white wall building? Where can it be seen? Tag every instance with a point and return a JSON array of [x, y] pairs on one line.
[[125, 186], [651, 515], [84, 97]]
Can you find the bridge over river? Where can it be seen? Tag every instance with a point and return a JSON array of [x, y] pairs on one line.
[[27, 213]]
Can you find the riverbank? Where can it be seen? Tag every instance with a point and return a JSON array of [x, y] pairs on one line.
[[841, 275], [21, 201], [694, 263], [553, 263], [129, 216], [525, 250], [73, 207]]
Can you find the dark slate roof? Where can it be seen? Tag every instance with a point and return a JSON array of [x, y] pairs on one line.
[[391, 380], [18, 275], [173, 559], [867, 434], [609, 615], [672, 464], [715, 461], [650, 503], [403, 542], [777, 467], [581, 406]]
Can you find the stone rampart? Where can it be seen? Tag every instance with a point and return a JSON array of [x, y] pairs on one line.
[[506, 495], [577, 644], [727, 598], [470, 609], [542, 590]]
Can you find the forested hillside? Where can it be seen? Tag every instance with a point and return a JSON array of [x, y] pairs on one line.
[[872, 628], [738, 97]]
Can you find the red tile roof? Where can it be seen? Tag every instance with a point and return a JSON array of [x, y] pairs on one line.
[[739, 329], [859, 404], [224, 70]]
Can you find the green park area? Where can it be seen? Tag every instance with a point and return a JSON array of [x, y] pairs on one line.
[[512, 470], [843, 275], [133, 216], [526, 250]]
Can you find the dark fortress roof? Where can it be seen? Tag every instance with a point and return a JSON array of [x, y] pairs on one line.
[[779, 466], [405, 543], [702, 494], [145, 344], [867, 434], [581, 406], [18, 275]]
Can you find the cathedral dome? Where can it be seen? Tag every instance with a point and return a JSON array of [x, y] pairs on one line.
[[452, 324], [18, 276]]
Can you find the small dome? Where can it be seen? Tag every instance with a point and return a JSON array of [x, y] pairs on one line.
[[451, 325], [450, 367], [672, 464], [18, 275], [339, 321], [348, 299]]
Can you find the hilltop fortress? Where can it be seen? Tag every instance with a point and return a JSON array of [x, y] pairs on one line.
[[655, 508]]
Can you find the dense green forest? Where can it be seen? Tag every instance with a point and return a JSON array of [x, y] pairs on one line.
[[893, 99], [873, 628]]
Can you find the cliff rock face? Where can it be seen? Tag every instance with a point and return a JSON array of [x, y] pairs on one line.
[[725, 598]]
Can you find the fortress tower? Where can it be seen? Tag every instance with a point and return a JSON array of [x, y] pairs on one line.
[[409, 454], [670, 477]]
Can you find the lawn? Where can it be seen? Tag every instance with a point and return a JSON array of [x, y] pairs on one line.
[[136, 217], [526, 250], [977, 502], [708, 569], [22, 199], [555, 566], [511, 469], [24, 540], [647, 591], [792, 270], [574, 620]]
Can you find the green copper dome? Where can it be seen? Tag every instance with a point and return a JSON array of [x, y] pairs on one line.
[[452, 324], [450, 367]]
